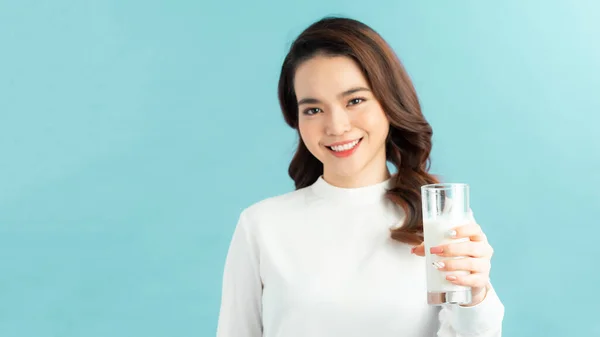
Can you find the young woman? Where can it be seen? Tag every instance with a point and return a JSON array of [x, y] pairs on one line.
[[342, 254]]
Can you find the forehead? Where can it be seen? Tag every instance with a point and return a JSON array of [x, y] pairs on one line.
[[327, 75]]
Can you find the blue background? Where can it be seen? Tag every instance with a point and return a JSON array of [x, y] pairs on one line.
[[132, 133]]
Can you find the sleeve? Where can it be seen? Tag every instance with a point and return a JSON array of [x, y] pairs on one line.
[[481, 320], [241, 309]]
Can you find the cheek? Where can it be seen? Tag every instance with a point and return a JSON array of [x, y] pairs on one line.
[[376, 124], [309, 134]]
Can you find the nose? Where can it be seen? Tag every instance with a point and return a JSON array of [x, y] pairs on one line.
[[338, 122]]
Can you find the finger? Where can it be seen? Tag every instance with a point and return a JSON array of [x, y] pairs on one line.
[[472, 231], [471, 280], [419, 250], [467, 248], [473, 265]]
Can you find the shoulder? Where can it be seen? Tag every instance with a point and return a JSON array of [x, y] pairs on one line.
[[276, 207]]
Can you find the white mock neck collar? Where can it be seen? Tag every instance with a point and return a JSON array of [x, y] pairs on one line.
[[366, 194]]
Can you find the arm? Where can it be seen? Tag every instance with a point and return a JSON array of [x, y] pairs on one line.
[[481, 320], [241, 312]]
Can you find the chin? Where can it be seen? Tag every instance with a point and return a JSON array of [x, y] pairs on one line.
[[346, 171]]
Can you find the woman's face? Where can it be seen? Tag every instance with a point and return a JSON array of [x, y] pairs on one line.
[[340, 121]]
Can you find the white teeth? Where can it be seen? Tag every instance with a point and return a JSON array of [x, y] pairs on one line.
[[344, 147]]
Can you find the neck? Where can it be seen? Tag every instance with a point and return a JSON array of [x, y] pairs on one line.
[[367, 178]]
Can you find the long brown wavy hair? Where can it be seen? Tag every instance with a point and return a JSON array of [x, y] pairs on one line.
[[408, 144]]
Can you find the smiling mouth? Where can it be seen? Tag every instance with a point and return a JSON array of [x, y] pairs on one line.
[[345, 147]]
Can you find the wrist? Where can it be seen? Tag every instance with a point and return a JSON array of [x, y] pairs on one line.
[[478, 295]]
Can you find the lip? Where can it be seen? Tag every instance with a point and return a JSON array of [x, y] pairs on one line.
[[346, 153], [343, 143]]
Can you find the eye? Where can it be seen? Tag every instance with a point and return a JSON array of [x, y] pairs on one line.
[[312, 111], [355, 101]]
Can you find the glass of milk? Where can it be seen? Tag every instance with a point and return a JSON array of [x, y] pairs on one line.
[[445, 206]]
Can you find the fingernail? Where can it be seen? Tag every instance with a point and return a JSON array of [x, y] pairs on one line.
[[436, 250], [451, 278], [451, 233], [439, 265]]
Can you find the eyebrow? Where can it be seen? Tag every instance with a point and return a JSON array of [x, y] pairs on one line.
[[310, 100]]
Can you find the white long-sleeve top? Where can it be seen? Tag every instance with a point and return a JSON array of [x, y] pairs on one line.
[[319, 261]]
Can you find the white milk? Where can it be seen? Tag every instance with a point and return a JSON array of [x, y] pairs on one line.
[[435, 232]]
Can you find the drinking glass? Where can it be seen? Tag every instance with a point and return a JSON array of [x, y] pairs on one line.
[[445, 206]]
